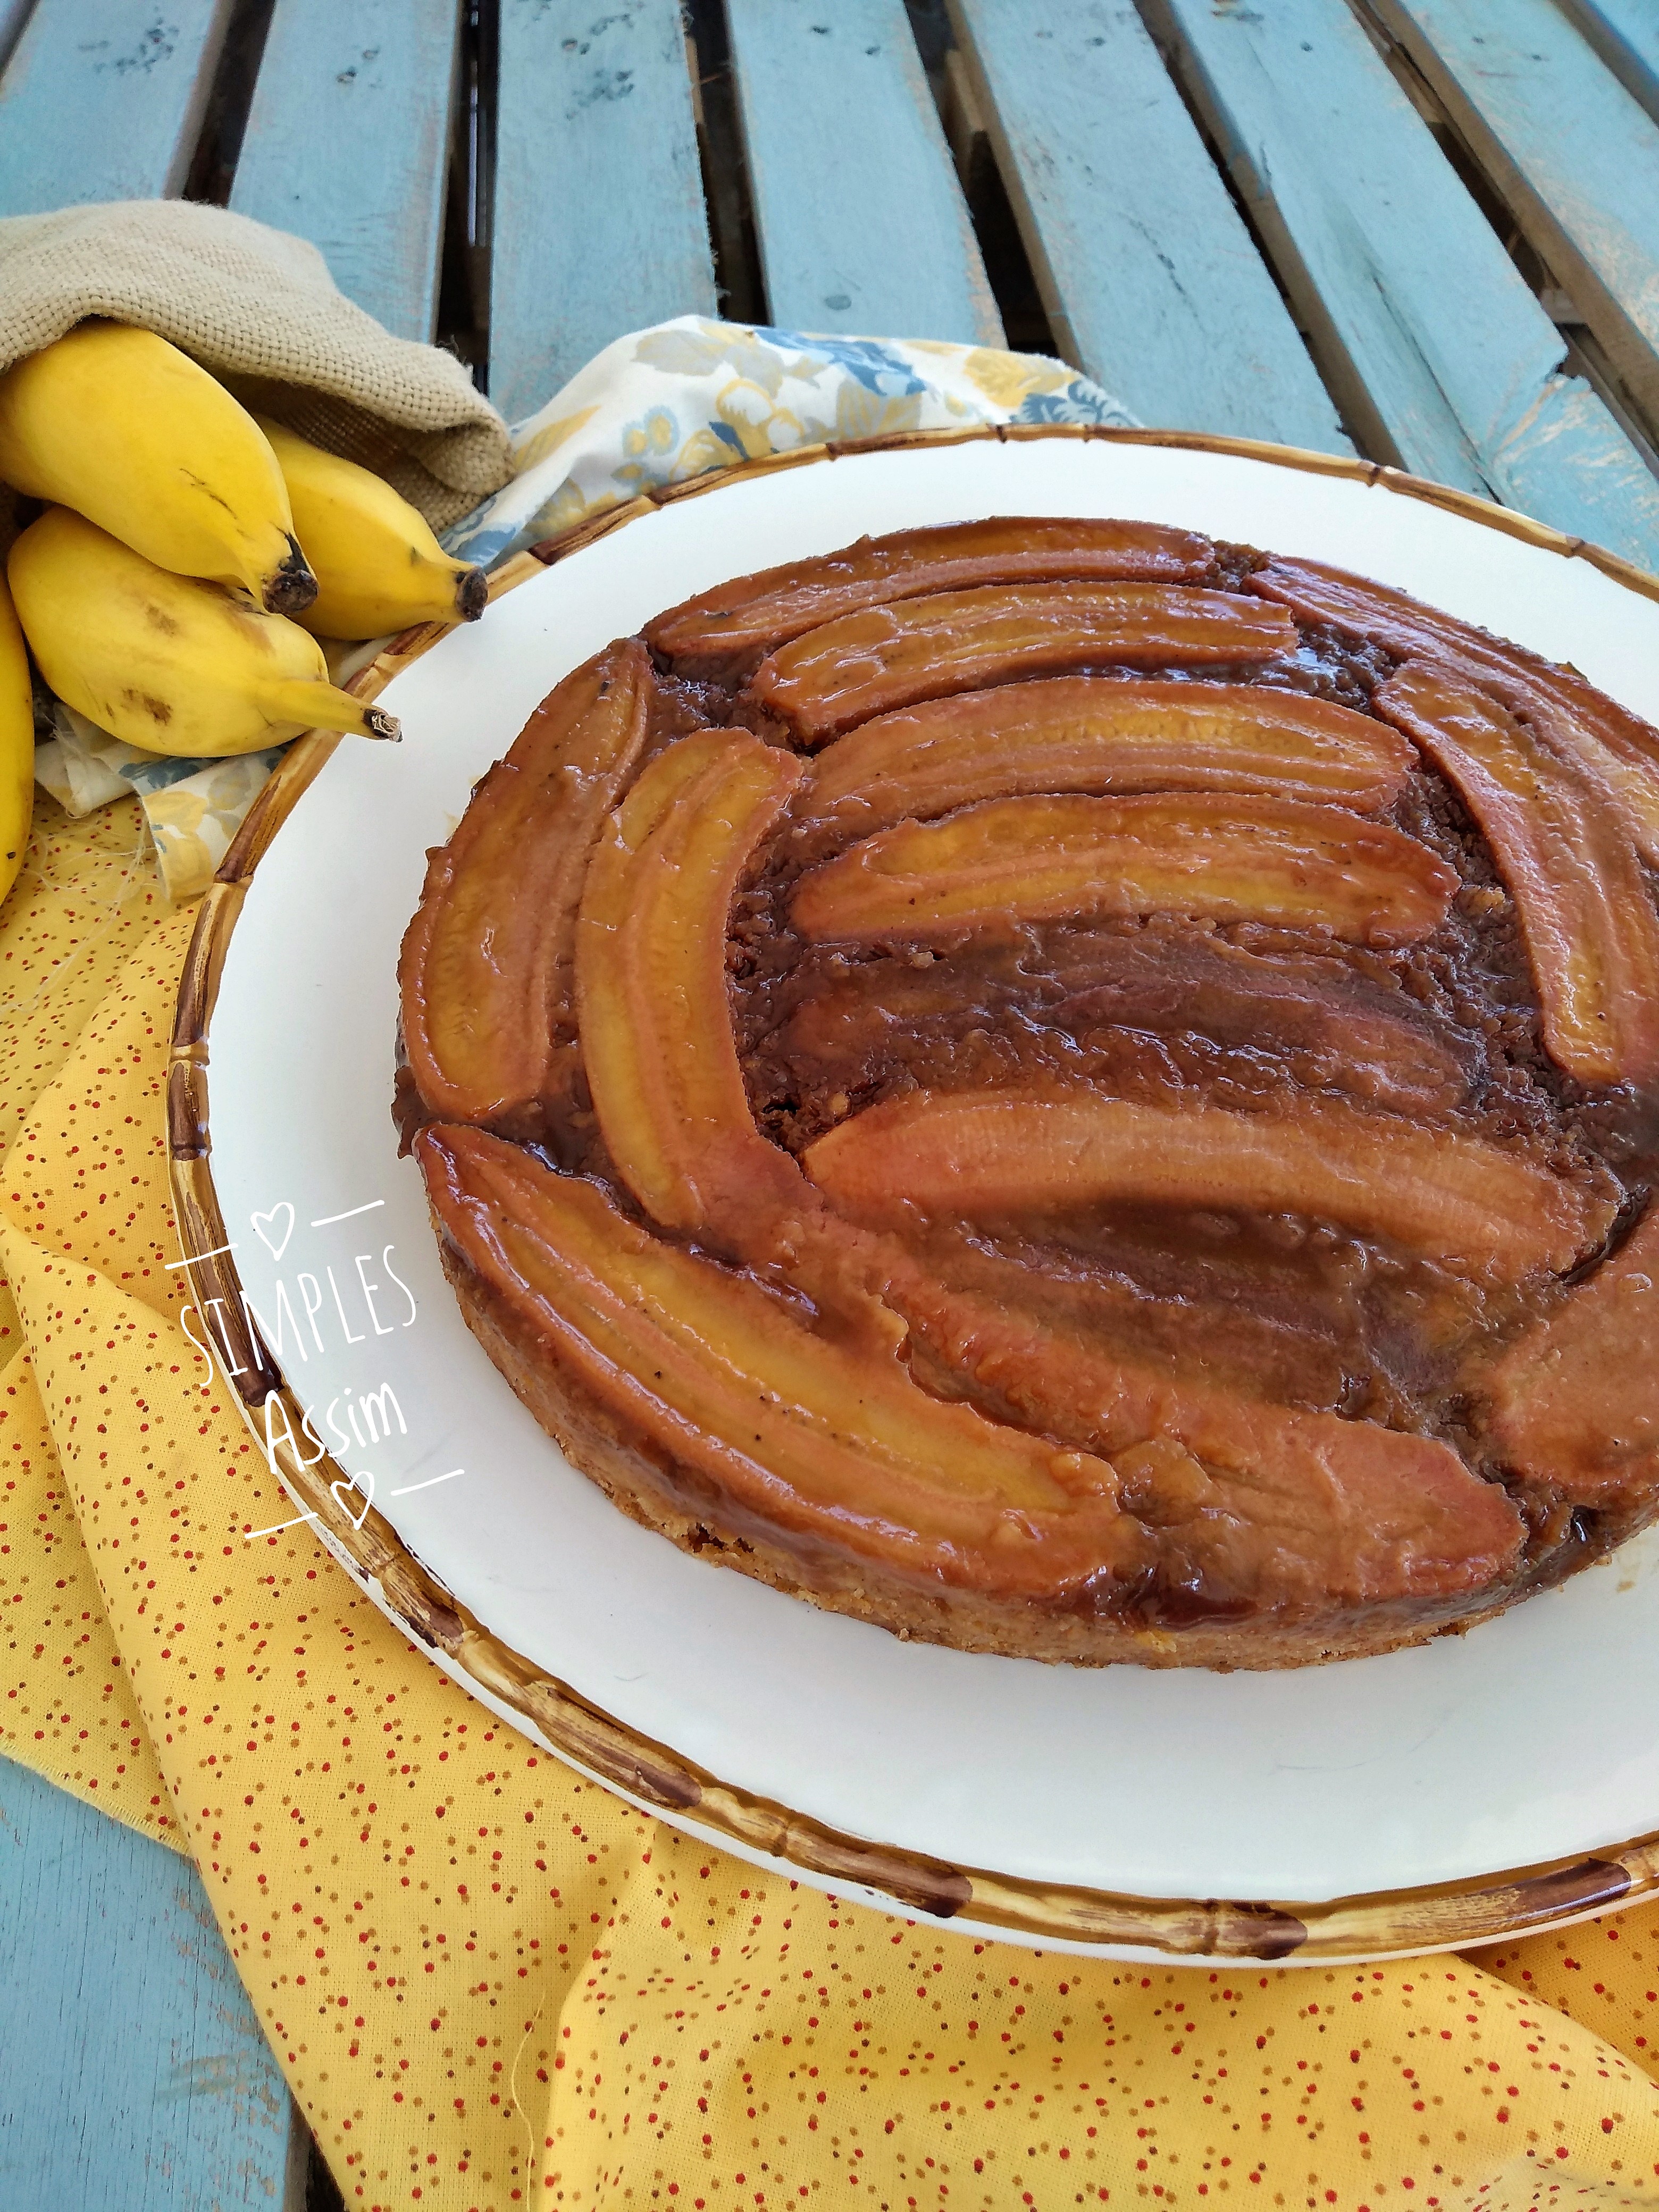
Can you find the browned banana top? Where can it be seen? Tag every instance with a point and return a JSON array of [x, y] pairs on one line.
[[661, 1064], [822, 1440], [1189, 1003], [1090, 734], [486, 971], [1014, 861], [1574, 1405], [727, 631], [1614, 745], [1073, 1064], [1562, 845], [886, 657], [1431, 1190]]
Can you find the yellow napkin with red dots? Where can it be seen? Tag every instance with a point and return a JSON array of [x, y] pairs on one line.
[[492, 1985]]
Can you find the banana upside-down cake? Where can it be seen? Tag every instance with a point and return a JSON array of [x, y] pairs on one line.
[[1067, 1089]]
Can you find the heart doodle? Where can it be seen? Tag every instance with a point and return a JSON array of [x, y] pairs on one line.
[[264, 1225], [365, 1483]]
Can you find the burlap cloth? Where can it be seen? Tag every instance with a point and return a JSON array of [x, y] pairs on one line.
[[260, 309], [491, 1984]]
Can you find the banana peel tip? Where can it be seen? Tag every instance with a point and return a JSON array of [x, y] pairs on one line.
[[292, 586]]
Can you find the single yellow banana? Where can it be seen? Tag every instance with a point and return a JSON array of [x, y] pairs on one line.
[[16, 745], [130, 432], [162, 662], [379, 568]]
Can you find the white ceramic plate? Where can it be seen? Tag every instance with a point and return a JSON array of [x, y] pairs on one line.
[[1528, 1741]]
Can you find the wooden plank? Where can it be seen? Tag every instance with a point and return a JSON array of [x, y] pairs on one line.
[[348, 144], [598, 224], [1626, 33], [104, 101], [136, 2075], [890, 251], [1150, 280], [1575, 157], [1442, 360]]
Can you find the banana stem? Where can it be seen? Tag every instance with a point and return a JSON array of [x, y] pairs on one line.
[[472, 593], [319, 707], [291, 589]]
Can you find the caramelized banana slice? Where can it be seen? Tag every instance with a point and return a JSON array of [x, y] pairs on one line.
[[1432, 1191], [854, 1027], [485, 972], [724, 632], [996, 867], [1585, 911], [1335, 1029], [1092, 733], [799, 1438], [891, 656], [1617, 748], [656, 1025], [1254, 1506], [1575, 1402]]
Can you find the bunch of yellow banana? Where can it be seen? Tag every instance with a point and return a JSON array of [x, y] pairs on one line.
[[130, 432], [180, 536], [161, 662]]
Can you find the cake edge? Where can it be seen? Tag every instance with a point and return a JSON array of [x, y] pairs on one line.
[[658, 1492]]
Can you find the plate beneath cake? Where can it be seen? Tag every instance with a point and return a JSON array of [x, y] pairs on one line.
[[1479, 1786]]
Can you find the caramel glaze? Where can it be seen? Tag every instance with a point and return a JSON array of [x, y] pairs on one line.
[[727, 633], [1247, 1403]]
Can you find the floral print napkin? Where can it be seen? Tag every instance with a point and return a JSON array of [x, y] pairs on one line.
[[688, 396], [655, 407], [194, 807]]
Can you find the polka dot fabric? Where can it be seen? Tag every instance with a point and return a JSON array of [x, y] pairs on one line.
[[67, 1709], [85, 896], [492, 1985]]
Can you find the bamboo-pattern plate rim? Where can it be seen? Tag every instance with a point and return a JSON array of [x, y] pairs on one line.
[[1446, 1916]]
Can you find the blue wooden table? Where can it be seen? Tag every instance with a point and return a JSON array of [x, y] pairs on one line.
[[135, 2073], [1423, 230]]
